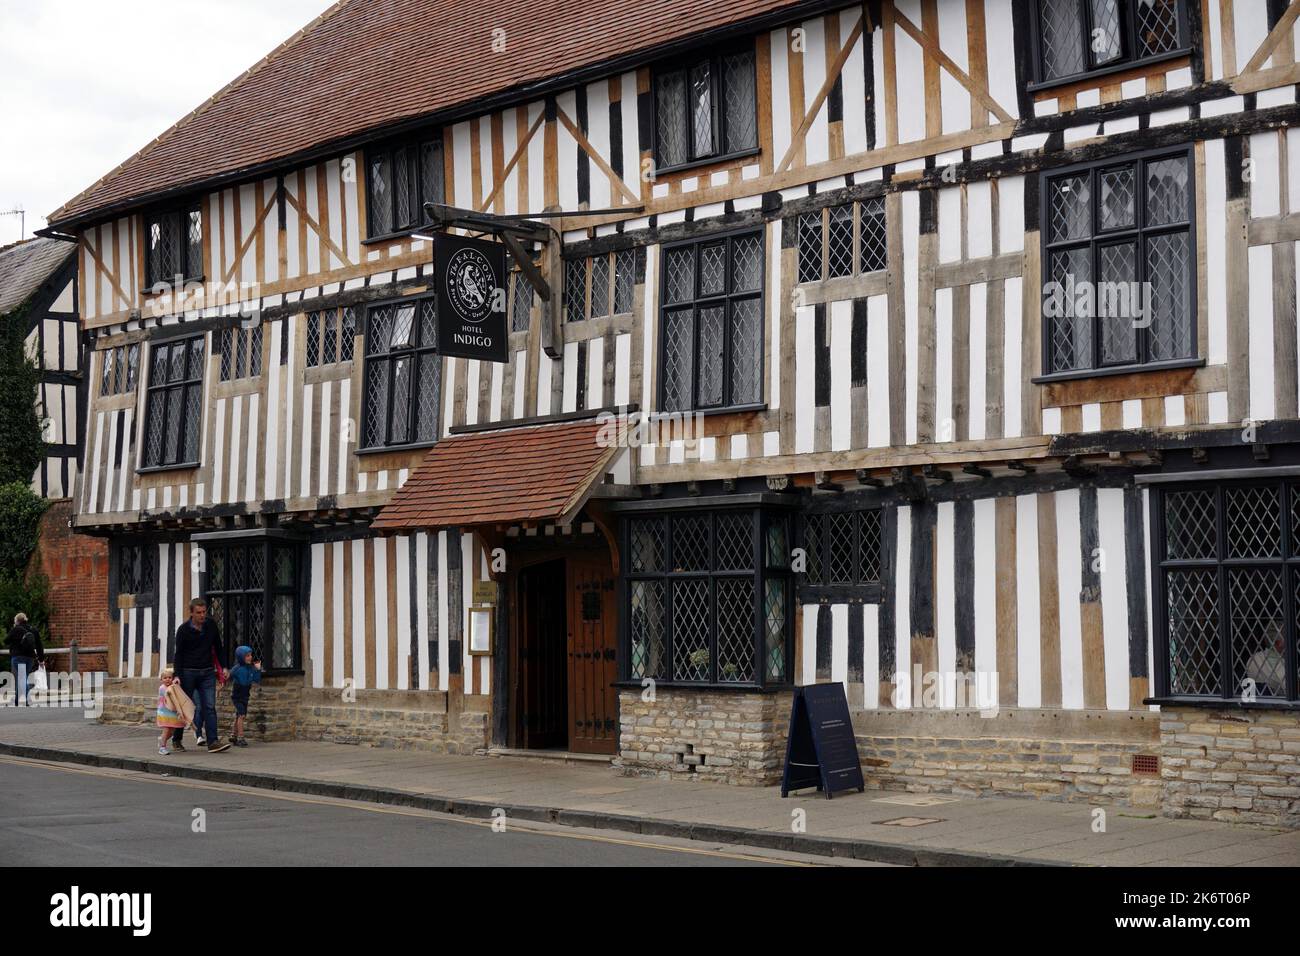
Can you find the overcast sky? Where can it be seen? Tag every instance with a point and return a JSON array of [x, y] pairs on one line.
[[86, 83]]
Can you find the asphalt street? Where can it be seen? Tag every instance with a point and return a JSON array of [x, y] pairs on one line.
[[83, 816]]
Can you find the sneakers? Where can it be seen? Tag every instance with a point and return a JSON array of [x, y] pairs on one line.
[[164, 752], [218, 748], [178, 746], [239, 741], [201, 742]]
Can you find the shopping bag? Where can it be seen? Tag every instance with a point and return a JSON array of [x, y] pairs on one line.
[[179, 701], [39, 679]]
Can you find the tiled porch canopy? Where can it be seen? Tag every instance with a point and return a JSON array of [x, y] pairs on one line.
[[509, 476]]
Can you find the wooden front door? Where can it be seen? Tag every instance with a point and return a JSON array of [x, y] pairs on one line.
[[593, 705]]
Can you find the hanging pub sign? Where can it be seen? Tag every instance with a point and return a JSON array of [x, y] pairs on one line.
[[470, 275], [821, 751]]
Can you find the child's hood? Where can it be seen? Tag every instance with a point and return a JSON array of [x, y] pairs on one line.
[[242, 651]]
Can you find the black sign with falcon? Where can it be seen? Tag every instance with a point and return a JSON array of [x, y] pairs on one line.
[[470, 275]]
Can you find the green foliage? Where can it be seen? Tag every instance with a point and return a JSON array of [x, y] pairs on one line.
[[29, 594], [21, 438], [20, 521]]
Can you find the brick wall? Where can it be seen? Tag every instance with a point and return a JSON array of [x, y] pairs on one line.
[[726, 736], [1236, 765], [77, 566]]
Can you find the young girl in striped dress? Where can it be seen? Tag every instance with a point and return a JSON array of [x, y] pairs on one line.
[[170, 721]]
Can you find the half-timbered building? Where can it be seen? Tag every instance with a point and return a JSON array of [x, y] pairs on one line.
[[943, 348]]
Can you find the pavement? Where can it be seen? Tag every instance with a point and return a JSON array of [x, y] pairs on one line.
[[878, 826]]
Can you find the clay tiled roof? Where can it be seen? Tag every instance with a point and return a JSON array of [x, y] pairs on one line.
[[525, 474], [25, 265], [368, 64]]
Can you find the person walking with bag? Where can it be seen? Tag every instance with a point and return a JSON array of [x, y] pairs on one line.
[[25, 651], [201, 662]]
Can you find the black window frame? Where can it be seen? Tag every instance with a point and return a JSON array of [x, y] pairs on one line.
[[726, 298], [817, 528], [683, 65], [418, 352], [582, 305], [1126, 60], [217, 553], [1097, 238], [194, 379], [1287, 561], [417, 194], [120, 371], [137, 571], [812, 232], [177, 218], [768, 564], [331, 335]]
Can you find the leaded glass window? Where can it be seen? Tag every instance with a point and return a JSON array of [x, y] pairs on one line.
[[1118, 264], [251, 588], [173, 246], [708, 597], [843, 549], [241, 353], [403, 374], [174, 403], [120, 369], [1077, 37], [843, 240], [705, 109], [712, 328], [598, 286], [400, 179], [1228, 589], [137, 569]]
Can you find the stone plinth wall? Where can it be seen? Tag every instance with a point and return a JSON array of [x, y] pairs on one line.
[[273, 706], [727, 736], [1231, 764], [412, 720]]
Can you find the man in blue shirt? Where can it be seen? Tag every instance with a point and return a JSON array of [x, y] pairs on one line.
[[198, 656]]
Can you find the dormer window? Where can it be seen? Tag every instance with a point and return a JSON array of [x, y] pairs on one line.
[[173, 246]]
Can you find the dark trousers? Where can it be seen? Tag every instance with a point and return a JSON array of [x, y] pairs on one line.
[[200, 685], [22, 668]]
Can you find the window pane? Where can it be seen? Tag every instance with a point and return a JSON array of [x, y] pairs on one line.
[[196, 348], [814, 527], [575, 290], [194, 245], [106, 373], [1256, 630], [216, 569], [428, 394], [624, 280], [739, 101], [1157, 27], [1193, 616], [670, 118], [193, 421], [600, 285], [712, 343], [282, 642], [381, 196], [690, 543], [238, 569], [872, 235], [691, 658], [1118, 302], [313, 339], [521, 303], [255, 350], [839, 252], [348, 334], [403, 326], [1061, 32], [119, 370], [713, 269], [1253, 519], [329, 352], [679, 272], [176, 368], [842, 547], [1105, 41], [428, 323], [679, 360], [1166, 189], [647, 545], [173, 436], [1170, 293], [1070, 213], [1070, 345], [228, 354], [778, 543], [702, 109], [1191, 524], [774, 590], [376, 402], [398, 428], [161, 358], [378, 329], [154, 441], [1118, 209], [403, 186], [647, 629], [133, 365], [735, 548], [241, 353], [431, 173], [810, 247], [735, 598], [869, 535], [746, 352], [746, 264]]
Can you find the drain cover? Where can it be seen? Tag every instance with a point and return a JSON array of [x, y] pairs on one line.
[[909, 821], [916, 800]]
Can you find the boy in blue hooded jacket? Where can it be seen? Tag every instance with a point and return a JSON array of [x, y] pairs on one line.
[[242, 678]]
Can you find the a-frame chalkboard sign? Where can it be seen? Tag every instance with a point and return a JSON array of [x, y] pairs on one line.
[[821, 751]]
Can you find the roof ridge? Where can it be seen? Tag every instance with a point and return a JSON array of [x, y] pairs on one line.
[[205, 105]]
